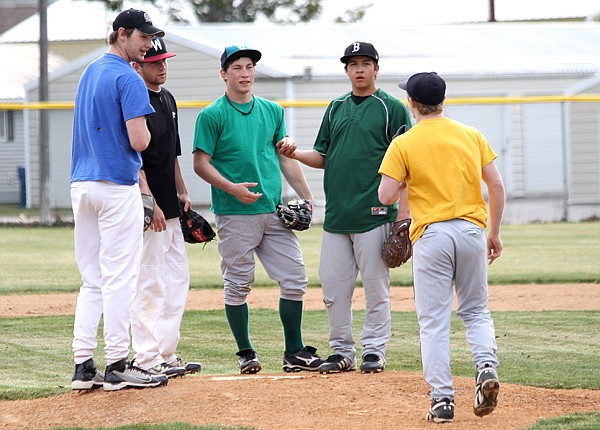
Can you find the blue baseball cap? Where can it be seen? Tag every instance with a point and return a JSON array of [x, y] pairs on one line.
[[234, 52]]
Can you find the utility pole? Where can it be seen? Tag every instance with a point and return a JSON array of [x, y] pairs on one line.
[[492, 17], [43, 137]]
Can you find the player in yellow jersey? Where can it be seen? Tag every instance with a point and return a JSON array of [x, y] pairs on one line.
[[443, 162]]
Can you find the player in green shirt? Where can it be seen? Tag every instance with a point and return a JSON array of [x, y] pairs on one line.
[[356, 130], [235, 152]]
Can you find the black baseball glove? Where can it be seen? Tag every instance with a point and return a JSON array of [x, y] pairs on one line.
[[195, 228], [297, 215], [148, 202], [397, 248]]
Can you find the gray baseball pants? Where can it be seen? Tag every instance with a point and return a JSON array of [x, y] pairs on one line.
[[277, 247], [343, 256], [450, 252]]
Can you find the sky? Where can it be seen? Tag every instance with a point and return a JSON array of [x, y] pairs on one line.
[[382, 12], [418, 12]]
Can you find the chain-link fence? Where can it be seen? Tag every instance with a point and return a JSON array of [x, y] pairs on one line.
[[548, 153]]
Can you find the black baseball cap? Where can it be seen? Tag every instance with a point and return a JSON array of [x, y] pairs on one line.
[[158, 51], [134, 18], [360, 48], [232, 53], [427, 88]]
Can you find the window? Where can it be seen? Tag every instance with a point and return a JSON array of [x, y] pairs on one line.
[[7, 126]]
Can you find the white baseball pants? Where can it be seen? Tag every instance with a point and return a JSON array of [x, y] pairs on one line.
[[109, 220], [162, 292]]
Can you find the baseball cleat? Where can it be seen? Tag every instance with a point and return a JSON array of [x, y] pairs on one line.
[[122, 374], [167, 370], [189, 366], [87, 376], [486, 392], [305, 359], [336, 363], [248, 362], [372, 363], [441, 411]]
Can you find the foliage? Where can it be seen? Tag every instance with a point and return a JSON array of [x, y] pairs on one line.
[[249, 10], [353, 15], [279, 11]]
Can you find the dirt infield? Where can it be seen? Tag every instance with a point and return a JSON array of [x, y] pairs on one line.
[[530, 297], [390, 400]]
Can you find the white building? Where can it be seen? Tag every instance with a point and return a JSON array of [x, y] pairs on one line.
[[549, 151]]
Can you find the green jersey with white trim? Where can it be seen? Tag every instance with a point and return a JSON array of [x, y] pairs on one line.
[[353, 138]]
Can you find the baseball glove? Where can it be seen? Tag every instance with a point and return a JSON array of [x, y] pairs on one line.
[[397, 248], [400, 131], [297, 215], [195, 228], [148, 202]]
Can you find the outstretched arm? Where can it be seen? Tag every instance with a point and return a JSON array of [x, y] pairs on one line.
[[288, 148], [292, 171]]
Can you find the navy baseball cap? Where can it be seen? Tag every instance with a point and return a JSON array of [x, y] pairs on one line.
[[134, 18], [427, 88], [158, 51], [233, 52], [360, 48]]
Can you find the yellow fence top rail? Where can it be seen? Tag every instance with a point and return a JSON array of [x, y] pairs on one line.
[[65, 105]]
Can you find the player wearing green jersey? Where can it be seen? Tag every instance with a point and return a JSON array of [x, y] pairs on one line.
[[355, 133], [235, 152]]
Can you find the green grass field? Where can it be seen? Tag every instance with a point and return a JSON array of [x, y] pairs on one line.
[[565, 344], [38, 260]]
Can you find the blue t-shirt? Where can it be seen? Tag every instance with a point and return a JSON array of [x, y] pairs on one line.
[[110, 92]]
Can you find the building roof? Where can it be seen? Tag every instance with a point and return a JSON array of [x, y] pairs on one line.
[[20, 67], [91, 23], [459, 50], [494, 50]]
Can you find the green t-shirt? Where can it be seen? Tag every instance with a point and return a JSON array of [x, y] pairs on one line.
[[243, 149], [353, 138]]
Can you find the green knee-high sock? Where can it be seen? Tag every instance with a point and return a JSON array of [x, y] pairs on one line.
[[290, 312], [237, 316]]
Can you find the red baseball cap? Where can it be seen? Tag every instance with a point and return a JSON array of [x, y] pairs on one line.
[[158, 51]]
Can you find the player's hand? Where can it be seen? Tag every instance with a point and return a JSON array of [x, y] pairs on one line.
[[287, 147], [494, 248], [242, 192], [185, 201], [159, 223]]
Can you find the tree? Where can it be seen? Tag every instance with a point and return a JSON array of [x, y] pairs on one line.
[[353, 15], [280, 11]]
